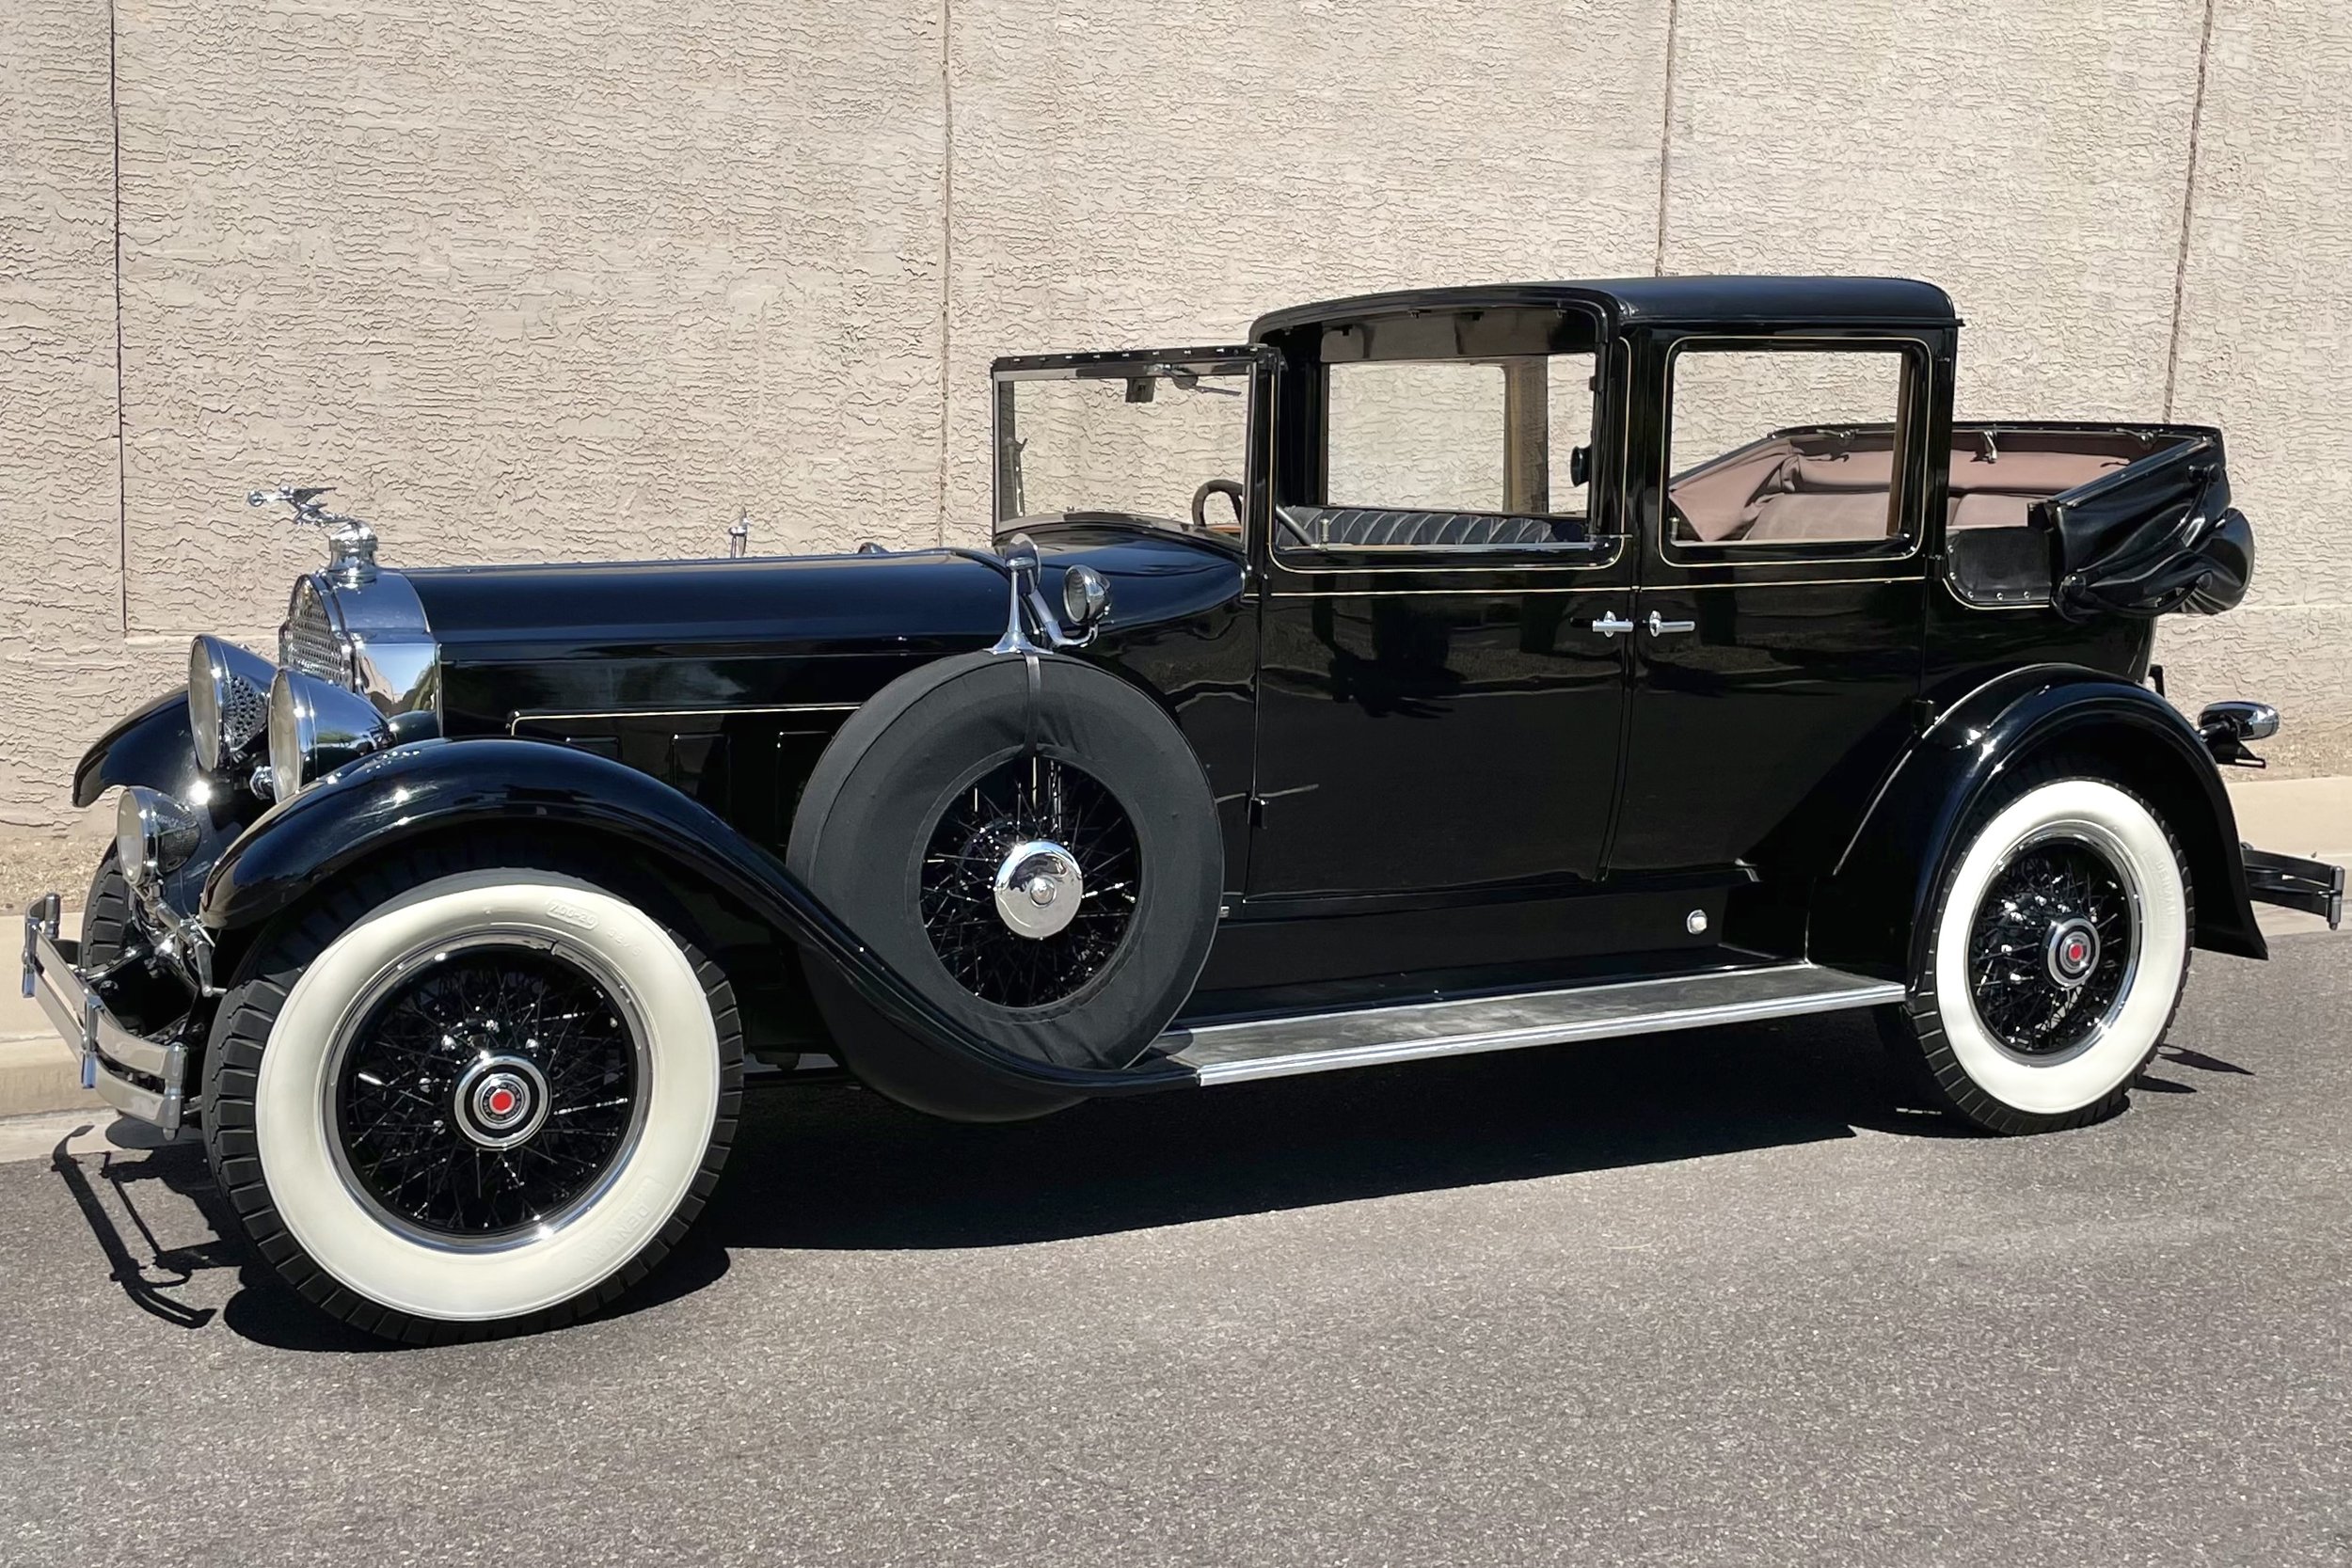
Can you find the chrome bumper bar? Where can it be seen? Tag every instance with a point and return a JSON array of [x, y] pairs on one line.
[[138, 1076]]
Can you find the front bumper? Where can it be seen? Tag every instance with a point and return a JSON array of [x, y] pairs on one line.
[[136, 1075]]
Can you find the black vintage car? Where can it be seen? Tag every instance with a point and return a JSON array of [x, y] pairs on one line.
[[1439, 671]]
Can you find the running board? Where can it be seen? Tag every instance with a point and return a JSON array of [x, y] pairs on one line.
[[1326, 1042]]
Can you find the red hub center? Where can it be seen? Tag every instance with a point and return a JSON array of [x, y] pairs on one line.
[[502, 1102]]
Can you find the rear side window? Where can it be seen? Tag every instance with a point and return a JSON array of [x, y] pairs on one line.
[[1796, 444]]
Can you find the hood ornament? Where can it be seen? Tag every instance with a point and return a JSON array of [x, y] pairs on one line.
[[350, 542]]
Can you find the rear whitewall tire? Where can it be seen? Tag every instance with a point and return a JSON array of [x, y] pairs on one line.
[[277, 1152], [1968, 1067]]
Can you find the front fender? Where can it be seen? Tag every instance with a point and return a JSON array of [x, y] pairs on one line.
[[155, 746], [1883, 891], [434, 786]]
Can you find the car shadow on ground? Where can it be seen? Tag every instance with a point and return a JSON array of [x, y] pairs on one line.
[[838, 1169]]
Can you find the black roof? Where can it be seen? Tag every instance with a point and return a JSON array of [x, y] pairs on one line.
[[1864, 301]]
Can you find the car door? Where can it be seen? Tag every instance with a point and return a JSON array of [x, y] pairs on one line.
[[1440, 685], [1779, 636]]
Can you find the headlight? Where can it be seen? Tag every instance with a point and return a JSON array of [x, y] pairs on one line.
[[228, 700], [154, 834], [315, 728]]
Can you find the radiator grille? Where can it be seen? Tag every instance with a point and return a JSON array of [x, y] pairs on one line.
[[309, 642]]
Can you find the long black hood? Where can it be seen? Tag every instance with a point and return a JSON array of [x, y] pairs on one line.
[[792, 631]]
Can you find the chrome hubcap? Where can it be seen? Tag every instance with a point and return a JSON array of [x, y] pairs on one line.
[[2072, 952], [1038, 888], [500, 1101]]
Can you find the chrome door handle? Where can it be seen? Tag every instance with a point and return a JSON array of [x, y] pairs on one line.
[[1659, 625], [1611, 625]]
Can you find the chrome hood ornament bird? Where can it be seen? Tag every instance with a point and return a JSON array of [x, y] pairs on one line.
[[350, 542]]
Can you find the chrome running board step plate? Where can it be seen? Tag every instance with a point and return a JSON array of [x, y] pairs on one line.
[[1372, 1037]]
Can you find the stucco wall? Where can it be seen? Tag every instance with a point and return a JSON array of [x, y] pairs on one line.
[[588, 278]]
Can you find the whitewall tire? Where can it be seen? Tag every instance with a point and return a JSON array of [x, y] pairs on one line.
[[456, 1096], [2054, 960]]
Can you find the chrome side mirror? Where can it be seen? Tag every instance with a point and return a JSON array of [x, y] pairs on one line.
[[1083, 590]]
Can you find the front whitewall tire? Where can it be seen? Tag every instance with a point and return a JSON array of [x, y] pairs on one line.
[[284, 1138]]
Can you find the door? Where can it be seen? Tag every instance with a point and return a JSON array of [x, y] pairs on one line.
[[1778, 628], [1440, 684]]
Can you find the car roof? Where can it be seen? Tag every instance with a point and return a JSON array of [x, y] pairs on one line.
[[1759, 300]]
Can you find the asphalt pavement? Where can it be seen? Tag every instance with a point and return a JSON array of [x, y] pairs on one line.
[[1700, 1299]]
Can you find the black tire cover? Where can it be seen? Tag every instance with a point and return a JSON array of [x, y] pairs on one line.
[[869, 808]]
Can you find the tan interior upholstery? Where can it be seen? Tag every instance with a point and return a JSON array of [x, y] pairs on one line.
[[1814, 490]]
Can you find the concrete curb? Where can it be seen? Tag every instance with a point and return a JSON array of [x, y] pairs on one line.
[[2298, 817]]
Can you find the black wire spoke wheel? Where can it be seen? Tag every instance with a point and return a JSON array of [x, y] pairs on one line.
[[2051, 948], [486, 1091], [1029, 882]]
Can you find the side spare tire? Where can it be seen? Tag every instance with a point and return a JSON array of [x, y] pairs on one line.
[[1031, 844]]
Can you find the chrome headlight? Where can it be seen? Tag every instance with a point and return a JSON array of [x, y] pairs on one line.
[[315, 728], [154, 834], [228, 700]]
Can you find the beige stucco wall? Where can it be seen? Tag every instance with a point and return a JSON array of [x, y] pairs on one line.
[[587, 278]]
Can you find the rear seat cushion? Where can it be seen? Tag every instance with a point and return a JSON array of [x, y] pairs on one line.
[[1817, 516]]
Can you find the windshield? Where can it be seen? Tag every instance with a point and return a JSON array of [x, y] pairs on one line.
[[1161, 439]]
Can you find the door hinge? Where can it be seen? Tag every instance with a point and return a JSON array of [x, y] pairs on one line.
[[1922, 715], [1257, 810]]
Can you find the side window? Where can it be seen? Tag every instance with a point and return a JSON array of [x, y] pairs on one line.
[[1452, 454], [1785, 445]]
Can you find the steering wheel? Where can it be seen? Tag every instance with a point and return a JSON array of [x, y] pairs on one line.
[[1231, 491]]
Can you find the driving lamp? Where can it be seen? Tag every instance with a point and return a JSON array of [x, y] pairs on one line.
[[228, 700], [314, 728]]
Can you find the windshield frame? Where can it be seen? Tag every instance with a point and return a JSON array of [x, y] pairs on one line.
[[1251, 362]]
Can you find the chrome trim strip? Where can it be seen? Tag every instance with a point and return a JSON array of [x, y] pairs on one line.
[[1278, 1048], [1626, 588], [536, 715]]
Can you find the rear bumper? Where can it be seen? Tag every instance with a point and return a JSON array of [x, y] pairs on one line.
[[138, 1076], [2316, 887]]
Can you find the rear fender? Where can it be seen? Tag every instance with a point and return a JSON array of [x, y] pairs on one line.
[[438, 787], [1872, 909]]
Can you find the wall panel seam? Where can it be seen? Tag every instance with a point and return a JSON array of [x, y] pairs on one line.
[[2188, 211], [1666, 134], [122, 482], [946, 240]]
